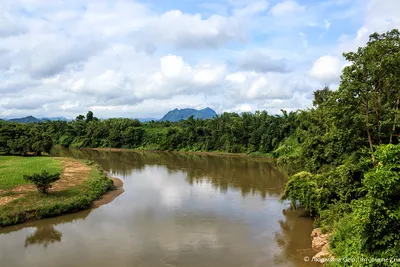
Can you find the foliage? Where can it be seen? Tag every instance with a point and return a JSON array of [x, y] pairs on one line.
[[13, 169], [229, 132], [301, 190], [350, 141], [23, 139], [43, 180], [375, 218]]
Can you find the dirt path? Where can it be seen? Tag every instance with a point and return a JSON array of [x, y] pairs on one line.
[[74, 173]]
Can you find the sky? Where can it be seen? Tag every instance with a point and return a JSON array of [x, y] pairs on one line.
[[140, 59]]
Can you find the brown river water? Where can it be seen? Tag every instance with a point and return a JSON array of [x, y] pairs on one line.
[[181, 210]]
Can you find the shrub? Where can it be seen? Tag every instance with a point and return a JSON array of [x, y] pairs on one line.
[[42, 181]]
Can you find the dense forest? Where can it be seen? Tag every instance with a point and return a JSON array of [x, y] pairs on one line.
[[344, 152]]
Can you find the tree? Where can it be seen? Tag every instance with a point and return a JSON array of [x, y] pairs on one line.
[[321, 96], [80, 118], [89, 116], [42, 181], [370, 87]]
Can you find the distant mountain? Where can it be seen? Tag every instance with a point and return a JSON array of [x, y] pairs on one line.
[[183, 114], [29, 119], [55, 119]]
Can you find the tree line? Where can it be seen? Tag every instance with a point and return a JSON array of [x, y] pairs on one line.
[[229, 132], [344, 152]]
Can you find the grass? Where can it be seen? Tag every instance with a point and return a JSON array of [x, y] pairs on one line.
[[13, 169], [32, 205]]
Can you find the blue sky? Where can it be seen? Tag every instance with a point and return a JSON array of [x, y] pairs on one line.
[[130, 58]]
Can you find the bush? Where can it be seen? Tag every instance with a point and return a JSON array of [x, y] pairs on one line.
[[301, 190], [374, 222], [42, 181]]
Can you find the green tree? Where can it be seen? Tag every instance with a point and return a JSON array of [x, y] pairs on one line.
[[321, 96], [89, 116], [42, 181], [370, 87]]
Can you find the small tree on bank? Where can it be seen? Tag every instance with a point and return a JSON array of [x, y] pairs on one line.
[[42, 181]]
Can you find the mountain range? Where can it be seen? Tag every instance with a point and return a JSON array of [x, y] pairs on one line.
[[31, 119], [172, 116]]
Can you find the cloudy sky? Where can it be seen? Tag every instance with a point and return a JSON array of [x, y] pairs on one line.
[[128, 58]]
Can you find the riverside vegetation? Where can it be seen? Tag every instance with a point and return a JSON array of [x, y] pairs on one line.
[[80, 184], [343, 153]]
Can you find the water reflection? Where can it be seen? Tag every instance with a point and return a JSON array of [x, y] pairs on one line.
[[250, 176], [44, 235], [295, 238]]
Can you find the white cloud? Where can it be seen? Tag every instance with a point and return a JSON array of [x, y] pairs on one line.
[[193, 31], [171, 66], [252, 86], [380, 16], [130, 58], [327, 69], [286, 8]]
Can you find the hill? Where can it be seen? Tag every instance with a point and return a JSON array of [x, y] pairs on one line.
[[183, 114], [29, 119]]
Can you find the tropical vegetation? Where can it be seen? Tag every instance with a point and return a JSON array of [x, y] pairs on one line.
[[343, 153]]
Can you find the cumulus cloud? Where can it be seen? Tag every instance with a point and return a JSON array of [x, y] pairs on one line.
[[193, 31], [252, 86], [31, 102], [50, 57], [327, 69], [132, 58]]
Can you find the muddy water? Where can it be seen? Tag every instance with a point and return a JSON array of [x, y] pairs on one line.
[[176, 210]]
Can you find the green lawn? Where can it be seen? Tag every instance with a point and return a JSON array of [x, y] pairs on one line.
[[13, 168], [31, 205]]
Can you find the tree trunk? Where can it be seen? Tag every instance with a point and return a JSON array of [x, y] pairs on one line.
[[379, 130], [369, 134], [395, 120], [378, 118]]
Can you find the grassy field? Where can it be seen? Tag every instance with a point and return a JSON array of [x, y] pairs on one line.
[[81, 183], [12, 169]]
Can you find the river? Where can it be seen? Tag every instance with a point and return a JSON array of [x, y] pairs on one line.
[[181, 210]]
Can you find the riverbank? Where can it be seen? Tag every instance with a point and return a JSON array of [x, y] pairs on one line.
[[320, 244], [81, 183], [211, 153]]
